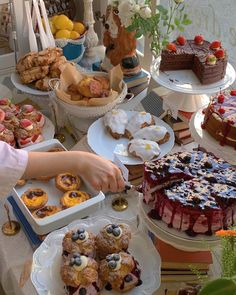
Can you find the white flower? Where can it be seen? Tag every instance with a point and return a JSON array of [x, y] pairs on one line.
[[145, 12], [179, 1], [137, 8], [126, 12], [141, 2]]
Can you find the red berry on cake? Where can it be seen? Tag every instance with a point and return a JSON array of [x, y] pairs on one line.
[[220, 53], [27, 108], [215, 45], [181, 40], [26, 124], [4, 101], [221, 110], [211, 59], [221, 98], [198, 39], [233, 92], [2, 115], [171, 47]]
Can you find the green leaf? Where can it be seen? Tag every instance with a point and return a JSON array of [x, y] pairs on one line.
[[221, 286], [177, 22], [180, 28], [186, 21]]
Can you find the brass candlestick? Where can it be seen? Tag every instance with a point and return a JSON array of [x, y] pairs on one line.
[[11, 227], [120, 203]]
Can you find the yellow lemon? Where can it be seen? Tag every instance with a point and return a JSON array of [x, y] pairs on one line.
[[61, 22], [69, 25], [54, 18], [79, 27], [74, 35], [63, 34]]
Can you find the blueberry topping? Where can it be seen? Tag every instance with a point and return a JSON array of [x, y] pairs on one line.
[[72, 261], [116, 232], [186, 159], [82, 291], [78, 261], [112, 264], [81, 231], [109, 258], [76, 255], [208, 164], [109, 230], [75, 237], [116, 257], [128, 278], [82, 236], [114, 226]]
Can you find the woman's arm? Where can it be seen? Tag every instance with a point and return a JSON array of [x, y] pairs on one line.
[[100, 173]]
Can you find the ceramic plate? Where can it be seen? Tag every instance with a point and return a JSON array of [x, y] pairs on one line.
[[29, 88], [45, 273], [186, 81], [176, 238], [103, 144]]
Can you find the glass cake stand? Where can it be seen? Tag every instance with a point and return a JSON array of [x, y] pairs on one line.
[[205, 140], [174, 237], [186, 92]]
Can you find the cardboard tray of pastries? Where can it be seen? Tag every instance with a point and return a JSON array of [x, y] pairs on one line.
[[89, 94], [61, 217]]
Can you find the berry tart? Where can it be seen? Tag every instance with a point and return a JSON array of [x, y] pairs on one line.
[[67, 182], [72, 198], [6, 105], [27, 111], [34, 198], [7, 135], [192, 192], [11, 122], [46, 211]]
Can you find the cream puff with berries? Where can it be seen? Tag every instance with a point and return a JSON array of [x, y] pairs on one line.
[[27, 111], [113, 238], [28, 133], [7, 135], [10, 121], [6, 105]]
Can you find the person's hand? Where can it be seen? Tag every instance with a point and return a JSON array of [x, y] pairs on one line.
[[100, 173]]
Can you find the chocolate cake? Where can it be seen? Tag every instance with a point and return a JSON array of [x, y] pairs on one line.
[[220, 118], [207, 60], [192, 192]]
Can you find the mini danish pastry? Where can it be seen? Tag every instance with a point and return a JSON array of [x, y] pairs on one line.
[[145, 149], [72, 198], [115, 122], [159, 134], [79, 241], [120, 272], [11, 122], [113, 238], [34, 198], [138, 121], [46, 211], [80, 274], [7, 135], [67, 182]]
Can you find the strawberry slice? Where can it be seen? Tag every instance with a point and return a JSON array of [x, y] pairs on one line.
[[2, 128], [221, 98], [171, 47], [24, 141], [2, 115], [215, 45], [198, 39], [24, 123], [233, 92], [4, 101], [27, 108], [220, 53], [181, 40]]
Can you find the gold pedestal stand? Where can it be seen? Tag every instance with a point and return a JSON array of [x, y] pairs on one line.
[[120, 203], [11, 227]]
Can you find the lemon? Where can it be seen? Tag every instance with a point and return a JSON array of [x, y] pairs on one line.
[[63, 34], [79, 27], [61, 22], [74, 35], [69, 25], [54, 18]]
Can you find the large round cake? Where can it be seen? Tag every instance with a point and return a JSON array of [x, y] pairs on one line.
[[220, 118], [207, 60], [192, 192]]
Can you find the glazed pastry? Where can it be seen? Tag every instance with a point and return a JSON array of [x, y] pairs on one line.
[[115, 122], [10, 121], [7, 135], [46, 211], [120, 272], [155, 133], [113, 238], [145, 149], [34, 198], [80, 274], [72, 198], [138, 121], [89, 87], [6, 105], [79, 241], [67, 182], [27, 111]]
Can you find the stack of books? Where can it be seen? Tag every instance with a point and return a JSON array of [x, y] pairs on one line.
[[137, 83], [178, 265], [180, 127]]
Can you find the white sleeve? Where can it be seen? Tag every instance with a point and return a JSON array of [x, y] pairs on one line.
[[12, 166]]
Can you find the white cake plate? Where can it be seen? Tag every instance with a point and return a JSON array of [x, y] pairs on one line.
[[186, 92], [174, 237], [205, 140]]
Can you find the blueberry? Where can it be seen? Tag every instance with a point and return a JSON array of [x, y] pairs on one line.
[[74, 237], [128, 278], [109, 258], [76, 255], [82, 291], [82, 236], [112, 264], [116, 257], [72, 261], [114, 226], [116, 232], [109, 230], [81, 231], [78, 261]]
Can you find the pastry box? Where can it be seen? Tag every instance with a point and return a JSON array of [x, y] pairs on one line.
[[47, 224]]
